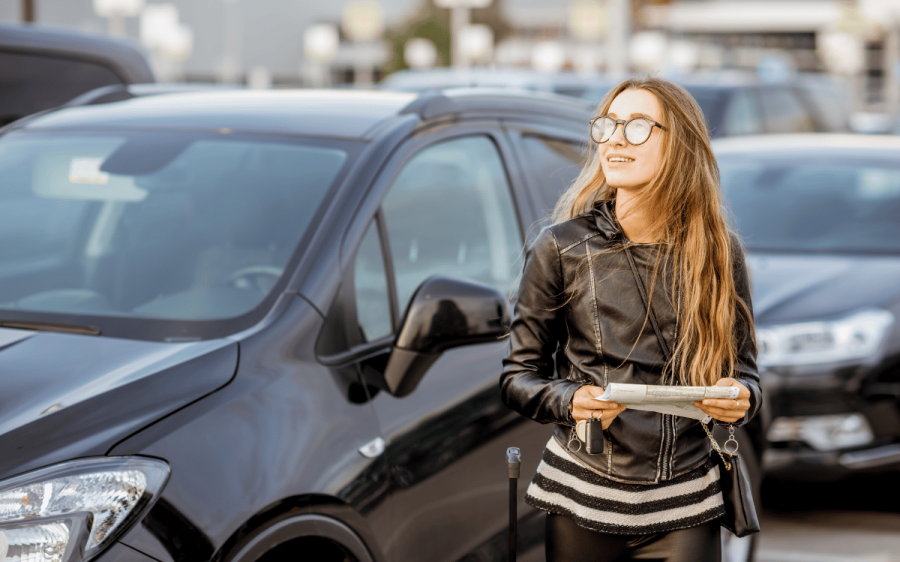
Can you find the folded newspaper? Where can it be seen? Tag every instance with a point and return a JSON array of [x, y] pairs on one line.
[[675, 400]]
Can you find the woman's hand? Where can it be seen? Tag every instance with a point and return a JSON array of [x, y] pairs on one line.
[[728, 411], [585, 407]]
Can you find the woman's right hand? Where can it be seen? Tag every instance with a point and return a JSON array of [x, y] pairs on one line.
[[584, 406]]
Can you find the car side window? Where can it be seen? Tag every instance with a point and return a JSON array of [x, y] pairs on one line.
[[742, 116], [831, 104], [450, 212], [554, 165], [373, 308], [784, 113]]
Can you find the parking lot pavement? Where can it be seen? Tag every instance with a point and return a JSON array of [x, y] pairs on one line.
[[830, 536], [851, 521]]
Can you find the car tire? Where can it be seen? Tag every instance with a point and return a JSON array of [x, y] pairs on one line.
[[744, 549]]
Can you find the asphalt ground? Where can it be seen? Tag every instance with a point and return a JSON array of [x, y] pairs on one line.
[[856, 520]]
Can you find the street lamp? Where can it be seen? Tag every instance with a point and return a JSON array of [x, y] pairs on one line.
[[363, 23], [548, 56], [887, 11], [459, 20], [168, 40], [618, 37], [419, 53], [320, 46], [232, 64], [117, 11], [587, 23], [587, 19], [28, 10], [476, 42], [648, 51]]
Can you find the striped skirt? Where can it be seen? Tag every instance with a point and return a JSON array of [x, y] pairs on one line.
[[564, 486]]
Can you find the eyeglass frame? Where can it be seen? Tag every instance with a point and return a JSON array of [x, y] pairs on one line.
[[624, 123]]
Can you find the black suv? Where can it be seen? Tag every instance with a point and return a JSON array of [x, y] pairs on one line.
[[251, 326], [44, 67]]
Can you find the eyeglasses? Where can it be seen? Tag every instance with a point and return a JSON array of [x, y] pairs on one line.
[[637, 129]]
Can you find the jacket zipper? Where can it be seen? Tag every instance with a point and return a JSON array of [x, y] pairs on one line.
[[669, 420], [668, 445]]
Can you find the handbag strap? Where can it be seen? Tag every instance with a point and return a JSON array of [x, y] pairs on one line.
[[643, 292], [665, 347], [715, 444]]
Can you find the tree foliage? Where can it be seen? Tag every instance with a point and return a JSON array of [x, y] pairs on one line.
[[433, 23]]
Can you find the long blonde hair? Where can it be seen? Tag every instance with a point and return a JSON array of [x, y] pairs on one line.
[[684, 205]]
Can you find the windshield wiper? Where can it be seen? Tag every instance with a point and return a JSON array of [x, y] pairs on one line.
[[47, 327]]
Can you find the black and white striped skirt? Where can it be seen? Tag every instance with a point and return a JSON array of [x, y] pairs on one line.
[[564, 486]]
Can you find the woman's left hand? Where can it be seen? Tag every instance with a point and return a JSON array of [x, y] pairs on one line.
[[728, 410]]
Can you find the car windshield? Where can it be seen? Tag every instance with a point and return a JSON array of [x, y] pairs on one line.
[[138, 225], [815, 204]]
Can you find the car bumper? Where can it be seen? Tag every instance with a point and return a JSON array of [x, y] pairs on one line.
[[807, 464], [829, 425]]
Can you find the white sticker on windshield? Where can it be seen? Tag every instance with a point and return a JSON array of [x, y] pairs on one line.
[[878, 184], [87, 170]]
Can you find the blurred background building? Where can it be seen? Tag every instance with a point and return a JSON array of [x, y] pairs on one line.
[[267, 43]]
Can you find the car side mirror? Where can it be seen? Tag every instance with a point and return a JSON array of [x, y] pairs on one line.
[[443, 313]]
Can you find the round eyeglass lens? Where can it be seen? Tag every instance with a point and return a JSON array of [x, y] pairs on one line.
[[637, 130], [602, 129]]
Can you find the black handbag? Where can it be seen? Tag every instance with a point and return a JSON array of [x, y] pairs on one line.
[[740, 512]]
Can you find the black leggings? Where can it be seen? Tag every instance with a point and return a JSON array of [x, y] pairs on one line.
[[567, 542]]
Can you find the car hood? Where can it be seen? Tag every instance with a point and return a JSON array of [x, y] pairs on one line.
[[64, 396], [795, 288]]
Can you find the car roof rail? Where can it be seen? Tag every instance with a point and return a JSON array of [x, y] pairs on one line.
[[431, 105], [103, 94], [122, 92]]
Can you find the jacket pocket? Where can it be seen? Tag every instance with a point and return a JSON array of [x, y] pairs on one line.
[[636, 440]]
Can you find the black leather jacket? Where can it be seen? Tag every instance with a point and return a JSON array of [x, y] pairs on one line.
[[597, 337]]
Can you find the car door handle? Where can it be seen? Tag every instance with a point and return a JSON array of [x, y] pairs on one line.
[[373, 448]]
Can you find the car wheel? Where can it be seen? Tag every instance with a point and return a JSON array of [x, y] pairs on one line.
[[736, 549]]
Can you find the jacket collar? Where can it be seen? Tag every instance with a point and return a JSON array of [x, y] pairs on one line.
[[605, 218]]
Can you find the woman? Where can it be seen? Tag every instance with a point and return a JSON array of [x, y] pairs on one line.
[[649, 189]]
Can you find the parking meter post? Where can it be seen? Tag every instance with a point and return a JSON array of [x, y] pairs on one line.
[[513, 464]]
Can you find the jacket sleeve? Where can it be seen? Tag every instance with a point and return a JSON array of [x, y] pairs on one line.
[[527, 384], [745, 368]]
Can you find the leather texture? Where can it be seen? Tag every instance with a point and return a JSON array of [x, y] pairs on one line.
[[567, 542], [740, 512], [579, 319]]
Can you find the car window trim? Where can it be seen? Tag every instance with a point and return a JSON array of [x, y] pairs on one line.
[[517, 130], [420, 139], [495, 134], [388, 260], [812, 109]]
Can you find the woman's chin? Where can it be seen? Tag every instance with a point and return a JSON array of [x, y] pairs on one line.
[[624, 184]]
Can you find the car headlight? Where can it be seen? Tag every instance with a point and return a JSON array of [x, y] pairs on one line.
[[823, 433], [69, 512], [858, 336]]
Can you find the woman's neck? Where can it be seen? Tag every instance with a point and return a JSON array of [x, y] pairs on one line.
[[633, 219]]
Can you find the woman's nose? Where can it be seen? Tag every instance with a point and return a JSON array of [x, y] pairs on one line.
[[618, 135]]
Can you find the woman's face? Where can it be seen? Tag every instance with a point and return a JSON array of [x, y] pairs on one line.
[[627, 166]]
